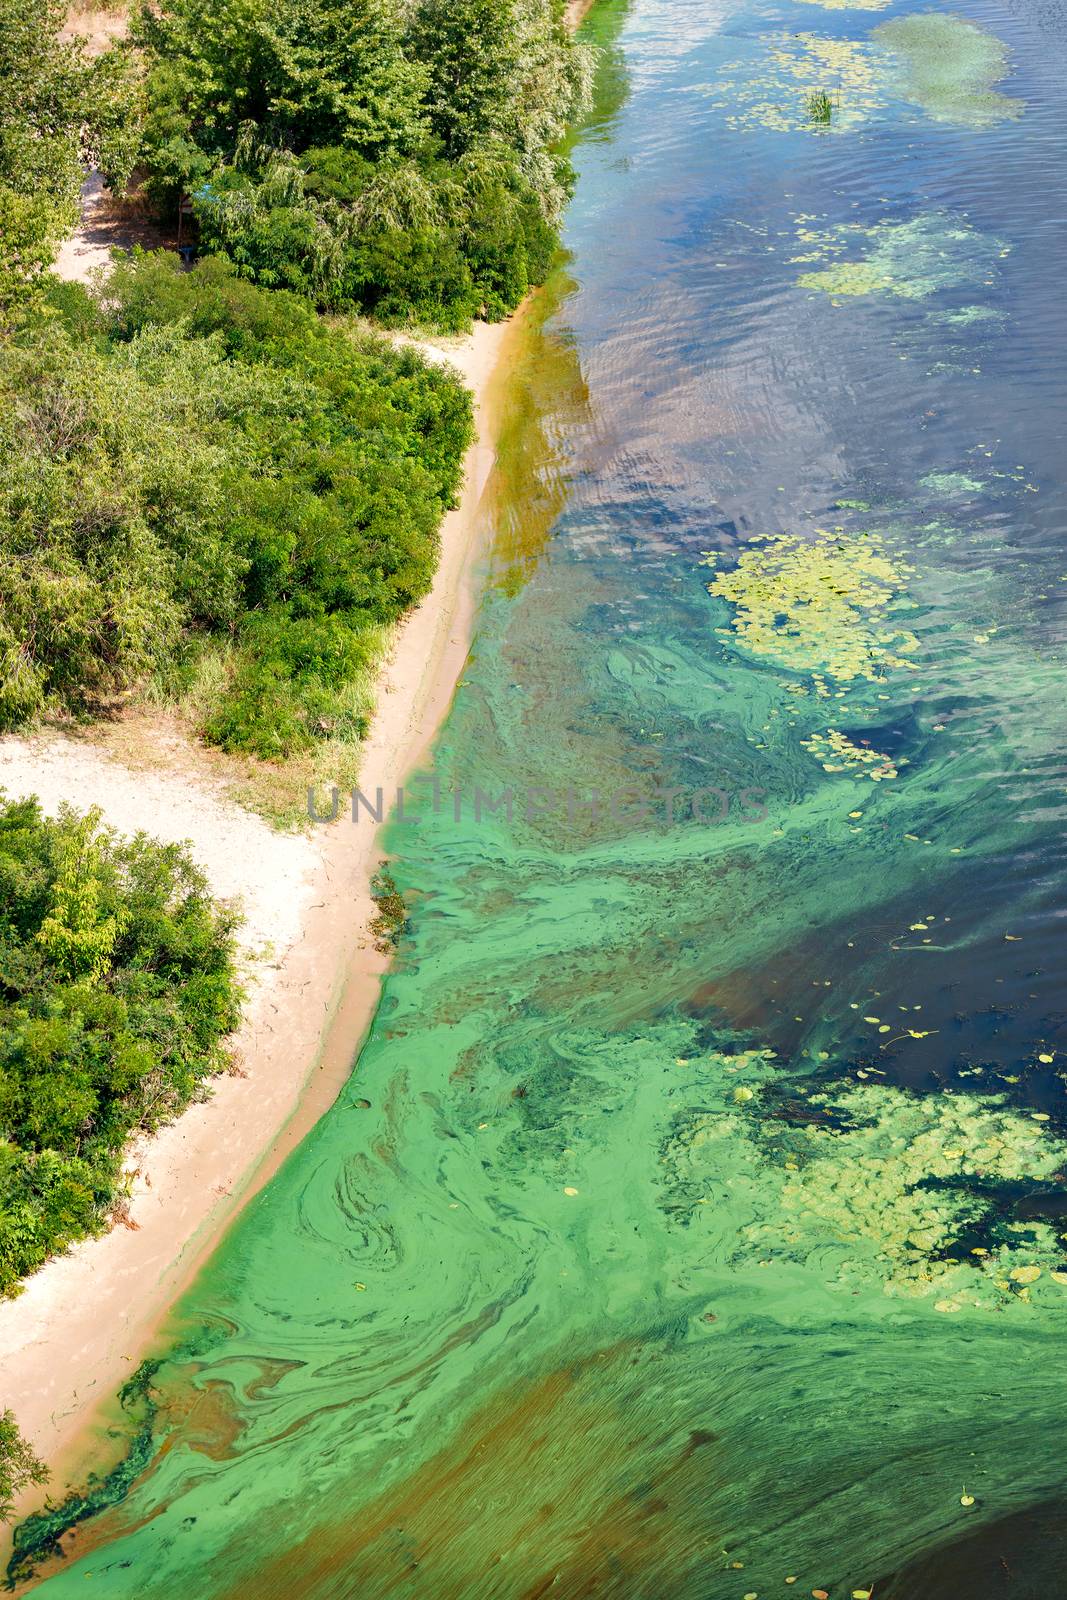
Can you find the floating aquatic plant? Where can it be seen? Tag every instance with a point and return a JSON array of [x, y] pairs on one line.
[[837, 753], [948, 67], [800, 69], [941, 64], [819, 605], [820, 106], [912, 259], [910, 1175], [875, 1189]]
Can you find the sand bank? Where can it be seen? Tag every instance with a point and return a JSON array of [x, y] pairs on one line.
[[86, 1319]]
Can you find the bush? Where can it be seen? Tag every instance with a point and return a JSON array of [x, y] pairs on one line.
[[396, 160], [199, 461], [117, 989], [19, 1466]]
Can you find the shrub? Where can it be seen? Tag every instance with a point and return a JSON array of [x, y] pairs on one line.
[[200, 460], [396, 160], [117, 989]]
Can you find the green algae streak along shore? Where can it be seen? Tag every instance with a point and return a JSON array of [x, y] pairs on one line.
[[692, 1226]]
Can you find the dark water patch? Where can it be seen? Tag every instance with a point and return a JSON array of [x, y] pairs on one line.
[[1016, 1557]]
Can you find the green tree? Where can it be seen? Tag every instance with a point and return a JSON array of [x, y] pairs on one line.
[[19, 1466], [58, 110], [400, 157], [471, 51], [343, 77], [41, 114], [244, 78]]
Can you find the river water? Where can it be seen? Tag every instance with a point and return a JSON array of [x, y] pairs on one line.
[[691, 1226]]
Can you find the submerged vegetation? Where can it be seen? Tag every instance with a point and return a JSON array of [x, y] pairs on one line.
[[913, 260], [117, 990], [947, 66]]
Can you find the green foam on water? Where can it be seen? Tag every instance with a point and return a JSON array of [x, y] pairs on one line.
[[951, 484], [948, 66], [932, 252]]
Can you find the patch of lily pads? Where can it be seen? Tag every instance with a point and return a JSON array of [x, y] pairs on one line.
[[836, 752], [821, 606], [878, 1189]]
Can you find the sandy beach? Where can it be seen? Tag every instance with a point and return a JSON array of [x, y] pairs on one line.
[[87, 1318]]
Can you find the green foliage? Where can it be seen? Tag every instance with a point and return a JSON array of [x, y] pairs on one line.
[[57, 110], [117, 988], [19, 1466], [820, 106], [401, 163], [473, 54], [199, 461]]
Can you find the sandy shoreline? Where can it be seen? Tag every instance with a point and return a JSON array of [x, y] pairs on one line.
[[86, 1319]]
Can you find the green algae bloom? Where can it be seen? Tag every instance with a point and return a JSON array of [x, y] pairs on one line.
[[819, 606], [911, 260], [948, 67], [875, 1192], [951, 484]]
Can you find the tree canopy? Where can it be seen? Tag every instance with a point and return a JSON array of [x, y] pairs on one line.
[[403, 161], [200, 481], [57, 110]]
